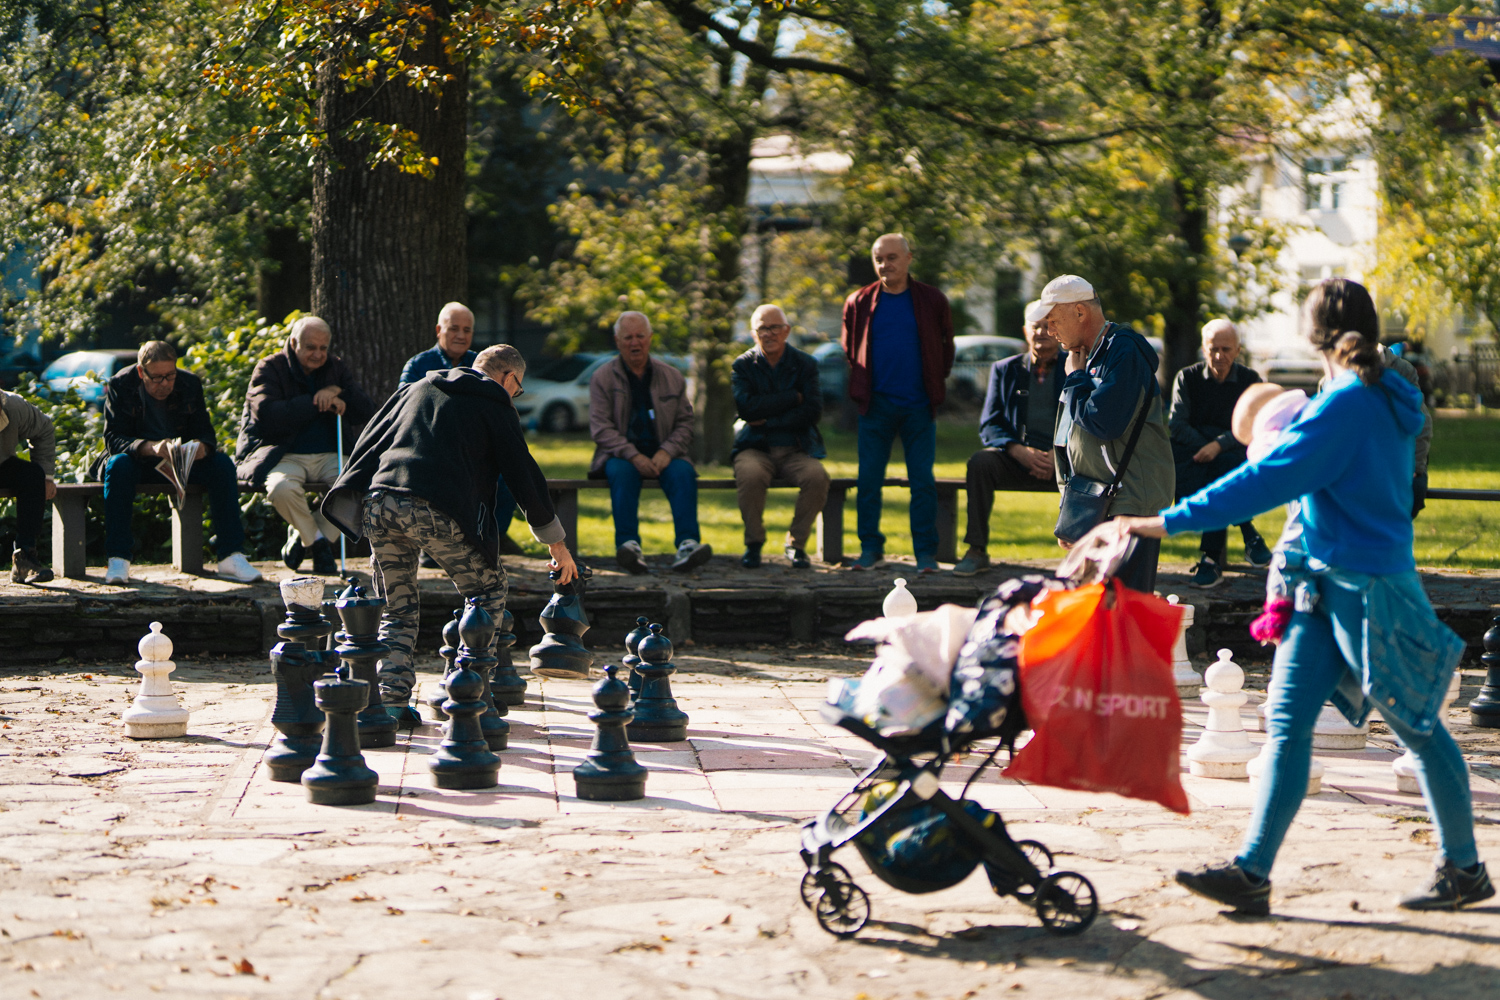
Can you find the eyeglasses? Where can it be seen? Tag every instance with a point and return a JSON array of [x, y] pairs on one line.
[[772, 327], [519, 391], [159, 379]]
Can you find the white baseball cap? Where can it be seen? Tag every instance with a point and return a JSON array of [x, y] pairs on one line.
[[1036, 312], [1066, 288]]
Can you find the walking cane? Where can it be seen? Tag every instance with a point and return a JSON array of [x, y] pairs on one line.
[[338, 434]]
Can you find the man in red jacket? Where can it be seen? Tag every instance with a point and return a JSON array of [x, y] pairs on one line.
[[898, 335]]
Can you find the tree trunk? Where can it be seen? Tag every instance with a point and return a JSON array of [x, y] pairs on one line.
[[1181, 319], [388, 248], [728, 184]]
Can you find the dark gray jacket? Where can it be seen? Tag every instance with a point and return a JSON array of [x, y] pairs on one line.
[[763, 392]]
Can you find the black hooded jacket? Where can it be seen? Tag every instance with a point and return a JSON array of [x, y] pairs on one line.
[[448, 439]]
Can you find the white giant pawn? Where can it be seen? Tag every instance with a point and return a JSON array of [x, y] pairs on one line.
[[155, 714], [1186, 678], [1257, 766], [899, 603], [1405, 766], [1333, 732], [1224, 748]]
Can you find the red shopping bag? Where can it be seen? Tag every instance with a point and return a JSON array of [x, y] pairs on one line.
[[1096, 683]]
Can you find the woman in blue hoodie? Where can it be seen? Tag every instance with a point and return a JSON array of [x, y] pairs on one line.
[[1363, 634]]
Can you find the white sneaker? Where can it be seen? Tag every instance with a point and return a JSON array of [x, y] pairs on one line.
[[691, 555], [118, 571], [237, 566]]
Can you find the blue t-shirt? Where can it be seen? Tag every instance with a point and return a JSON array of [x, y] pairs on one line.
[[317, 435], [896, 351]]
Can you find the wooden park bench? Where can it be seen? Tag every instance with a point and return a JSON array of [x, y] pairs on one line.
[[70, 510]]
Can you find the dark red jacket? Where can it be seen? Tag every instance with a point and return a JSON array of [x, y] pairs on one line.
[[934, 329]]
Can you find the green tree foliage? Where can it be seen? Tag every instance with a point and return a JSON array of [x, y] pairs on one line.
[[127, 245]]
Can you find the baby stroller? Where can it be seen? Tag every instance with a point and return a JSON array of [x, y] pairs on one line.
[[916, 837]]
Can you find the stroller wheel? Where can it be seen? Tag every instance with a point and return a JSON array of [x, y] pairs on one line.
[[1066, 903], [1006, 884], [842, 910], [830, 874]]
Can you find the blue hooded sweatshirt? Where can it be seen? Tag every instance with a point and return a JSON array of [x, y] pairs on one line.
[[1349, 457]]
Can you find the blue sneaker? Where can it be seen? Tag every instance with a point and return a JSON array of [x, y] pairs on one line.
[[868, 560], [406, 717], [927, 564]]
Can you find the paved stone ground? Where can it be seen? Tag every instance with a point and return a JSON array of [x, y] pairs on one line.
[[174, 868]]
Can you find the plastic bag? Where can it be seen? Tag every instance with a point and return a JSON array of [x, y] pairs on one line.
[[1096, 684], [906, 687], [982, 698]]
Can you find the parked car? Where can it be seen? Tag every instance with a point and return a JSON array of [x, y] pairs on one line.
[[973, 354], [564, 369], [833, 370], [1294, 373], [14, 366], [71, 370], [558, 406]]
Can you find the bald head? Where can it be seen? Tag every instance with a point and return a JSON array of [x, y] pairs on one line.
[[1221, 347], [455, 330], [891, 255]]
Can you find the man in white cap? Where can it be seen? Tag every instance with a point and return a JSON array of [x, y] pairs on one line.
[[1203, 400], [1109, 388], [1016, 429]]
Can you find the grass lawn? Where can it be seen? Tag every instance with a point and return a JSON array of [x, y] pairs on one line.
[[1449, 534]]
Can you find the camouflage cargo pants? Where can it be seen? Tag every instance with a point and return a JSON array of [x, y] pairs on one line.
[[400, 527]]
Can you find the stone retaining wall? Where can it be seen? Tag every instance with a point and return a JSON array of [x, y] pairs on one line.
[[46, 631]]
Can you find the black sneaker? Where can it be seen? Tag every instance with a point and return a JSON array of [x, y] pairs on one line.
[[292, 553], [1450, 887], [324, 564], [1257, 552], [798, 557], [751, 558], [406, 717], [1229, 884], [27, 567], [1206, 574]]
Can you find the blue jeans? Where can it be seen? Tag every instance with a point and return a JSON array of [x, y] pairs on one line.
[[1309, 664], [877, 432], [123, 473], [679, 481]]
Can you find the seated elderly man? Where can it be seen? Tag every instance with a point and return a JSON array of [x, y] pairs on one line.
[[288, 437], [146, 407], [1016, 429], [31, 482], [1203, 398], [777, 395], [641, 421]]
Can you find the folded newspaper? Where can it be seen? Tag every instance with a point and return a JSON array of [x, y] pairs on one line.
[[176, 466]]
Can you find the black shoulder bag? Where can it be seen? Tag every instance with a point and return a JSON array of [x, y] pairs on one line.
[[1085, 501]]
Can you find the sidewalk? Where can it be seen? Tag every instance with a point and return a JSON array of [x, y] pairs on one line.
[[175, 868]]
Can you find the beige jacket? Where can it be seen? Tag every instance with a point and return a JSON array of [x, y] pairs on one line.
[[609, 412], [20, 421]]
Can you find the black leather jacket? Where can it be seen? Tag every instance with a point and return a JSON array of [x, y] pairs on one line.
[[125, 415], [762, 392]]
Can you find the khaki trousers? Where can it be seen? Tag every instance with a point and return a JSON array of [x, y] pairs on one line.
[[286, 487], [753, 472]]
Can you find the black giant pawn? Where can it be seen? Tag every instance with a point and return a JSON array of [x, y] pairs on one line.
[[359, 648], [657, 717], [477, 629], [448, 651], [340, 776], [464, 760], [611, 772], [298, 721], [1484, 711], [632, 660], [509, 686], [561, 652]]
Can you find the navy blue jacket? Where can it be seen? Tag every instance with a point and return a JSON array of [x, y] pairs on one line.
[[762, 392], [433, 360], [1003, 421]]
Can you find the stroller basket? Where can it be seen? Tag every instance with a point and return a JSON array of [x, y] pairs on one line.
[[917, 838]]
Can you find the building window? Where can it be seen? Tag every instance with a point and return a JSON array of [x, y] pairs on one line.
[[1313, 194], [1337, 197]]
